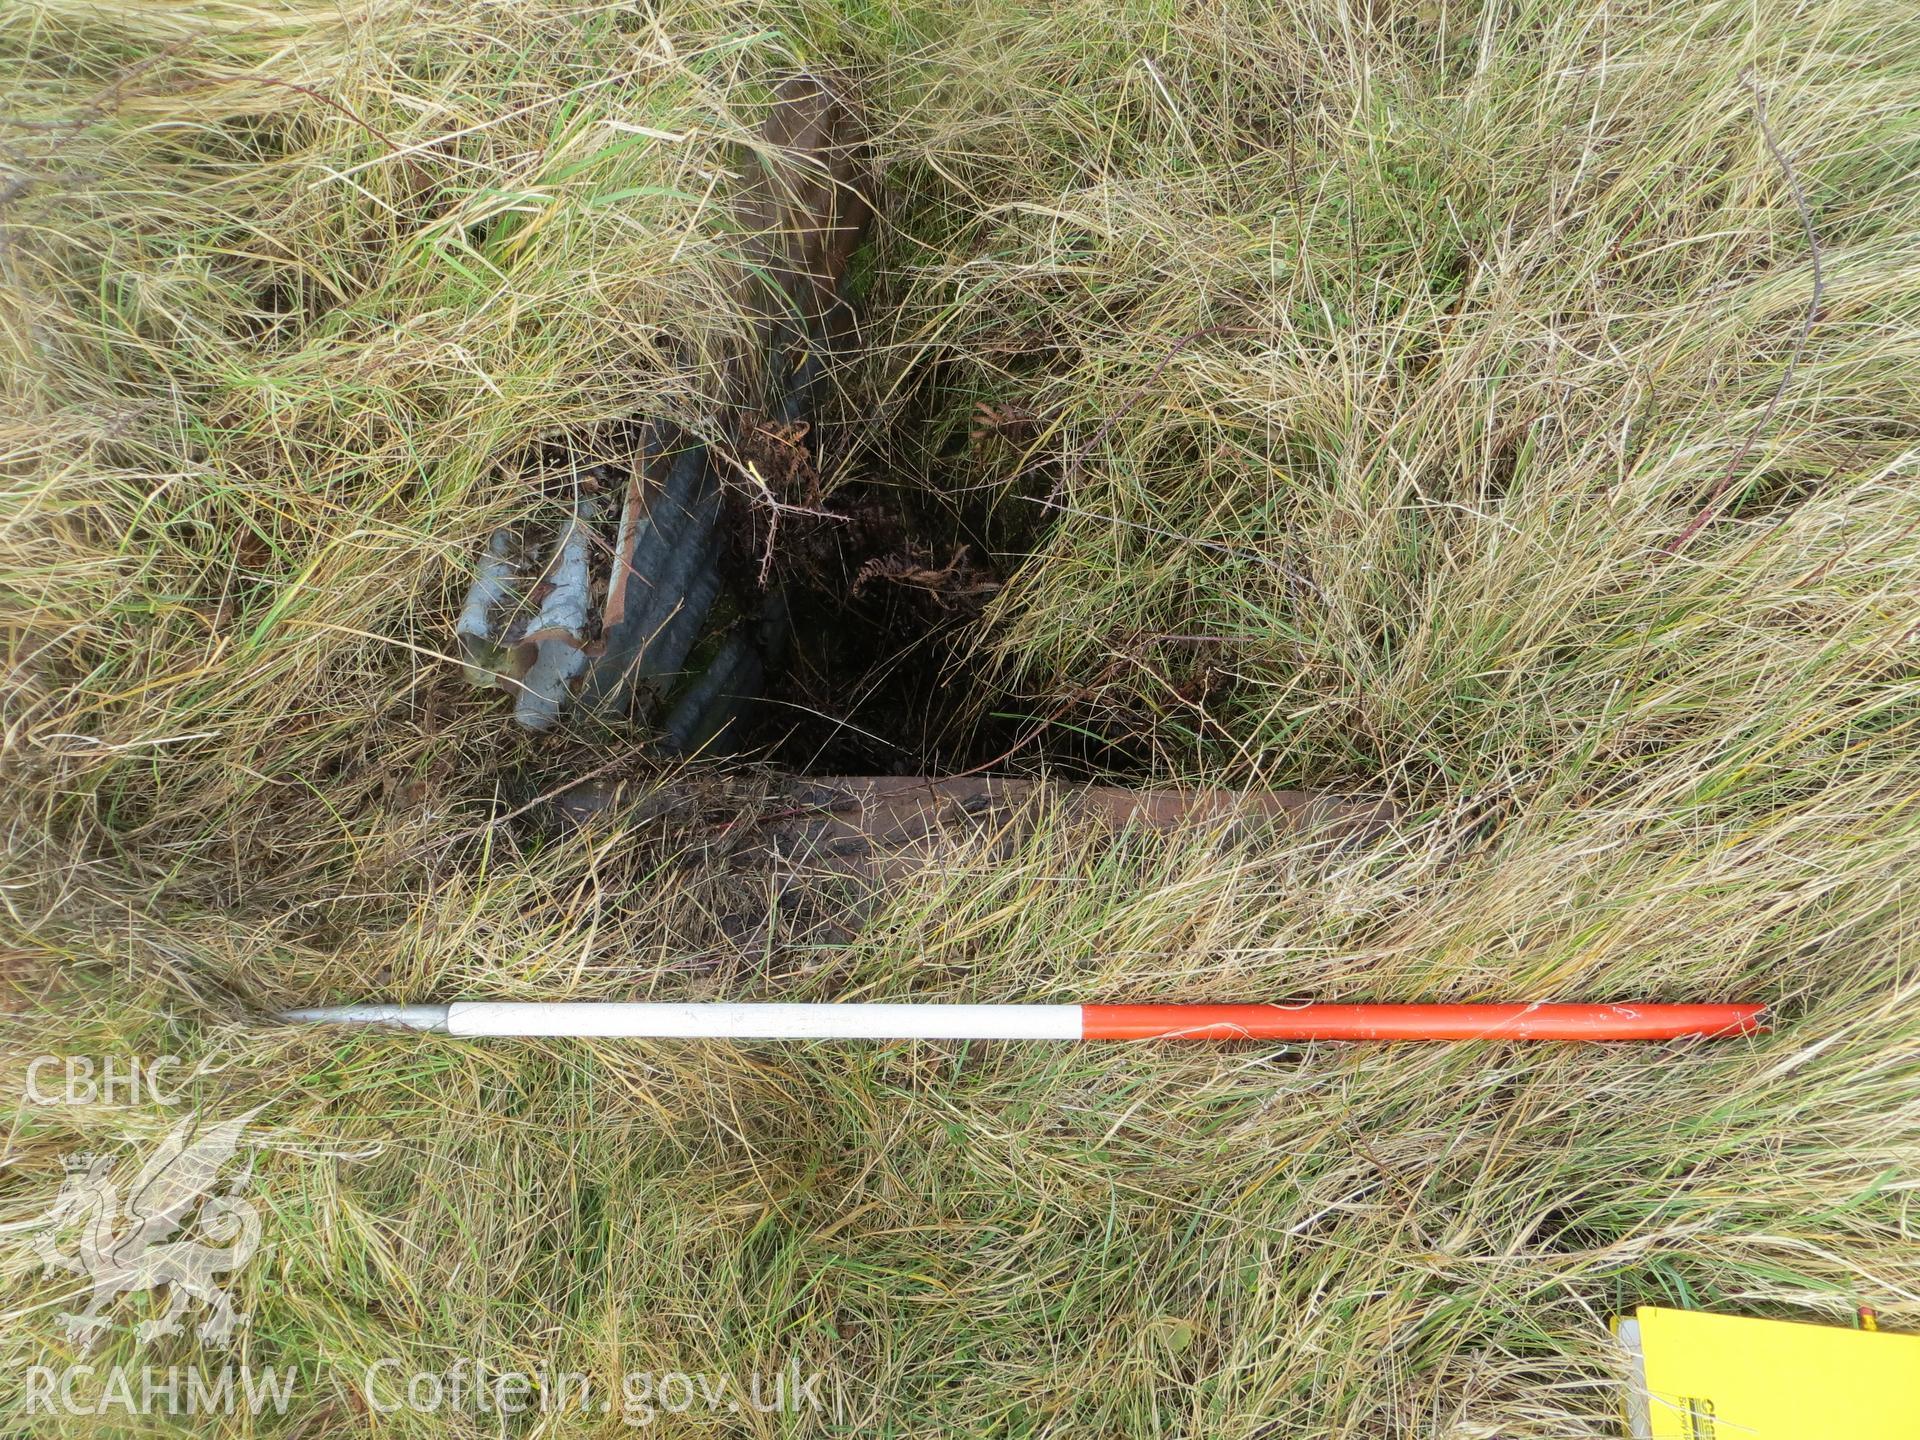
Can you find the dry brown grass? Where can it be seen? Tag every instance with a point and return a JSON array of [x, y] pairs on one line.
[[1390, 350]]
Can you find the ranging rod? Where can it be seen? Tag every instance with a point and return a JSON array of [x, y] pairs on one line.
[[1306, 1021]]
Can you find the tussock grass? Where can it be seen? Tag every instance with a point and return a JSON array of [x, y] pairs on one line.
[[1381, 362]]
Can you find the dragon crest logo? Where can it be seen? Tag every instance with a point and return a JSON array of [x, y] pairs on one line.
[[130, 1243]]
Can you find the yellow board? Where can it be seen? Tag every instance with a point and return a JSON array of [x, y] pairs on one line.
[[1727, 1377]]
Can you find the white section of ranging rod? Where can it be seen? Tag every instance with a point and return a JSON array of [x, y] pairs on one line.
[[767, 1022], [407, 1017]]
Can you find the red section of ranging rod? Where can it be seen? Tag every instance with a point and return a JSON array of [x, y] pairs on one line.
[[1417, 1022]]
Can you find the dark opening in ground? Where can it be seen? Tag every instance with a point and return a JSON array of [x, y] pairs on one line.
[[808, 587], [886, 580]]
